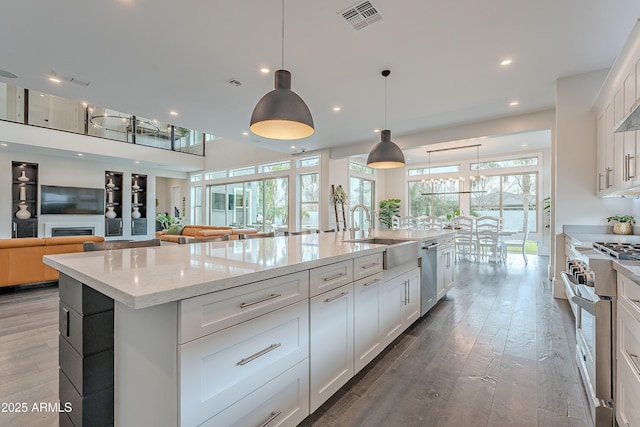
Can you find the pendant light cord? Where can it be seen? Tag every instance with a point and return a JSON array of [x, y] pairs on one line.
[[282, 47], [385, 102]]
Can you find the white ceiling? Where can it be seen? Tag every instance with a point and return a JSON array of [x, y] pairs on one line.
[[150, 57]]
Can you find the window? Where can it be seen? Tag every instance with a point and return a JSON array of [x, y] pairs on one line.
[[512, 197], [444, 200], [196, 205], [215, 175], [196, 178], [309, 201], [242, 171], [360, 168], [260, 204], [309, 161], [434, 170], [361, 192], [496, 164], [280, 166]]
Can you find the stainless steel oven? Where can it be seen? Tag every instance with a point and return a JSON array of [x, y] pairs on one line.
[[590, 284]]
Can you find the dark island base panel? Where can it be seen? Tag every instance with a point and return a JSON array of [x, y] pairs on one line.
[[85, 355]]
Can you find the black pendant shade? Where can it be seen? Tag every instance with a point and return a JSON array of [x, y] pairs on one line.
[[386, 154], [281, 113]]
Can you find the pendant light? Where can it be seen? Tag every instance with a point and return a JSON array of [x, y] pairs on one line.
[[386, 154], [281, 113]]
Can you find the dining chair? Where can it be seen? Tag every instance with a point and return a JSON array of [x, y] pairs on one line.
[[184, 240], [107, 246], [407, 223], [521, 244], [432, 223], [488, 244], [243, 236], [465, 242]]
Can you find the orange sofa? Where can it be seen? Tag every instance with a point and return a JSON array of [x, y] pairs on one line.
[[21, 259], [204, 231]]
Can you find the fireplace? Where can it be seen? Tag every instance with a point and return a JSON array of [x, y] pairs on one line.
[[72, 231]]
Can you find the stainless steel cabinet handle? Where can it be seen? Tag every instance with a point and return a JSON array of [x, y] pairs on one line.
[[599, 182], [273, 416], [370, 265], [370, 283], [258, 354], [625, 167], [336, 297], [608, 177], [248, 304], [629, 176], [337, 276]]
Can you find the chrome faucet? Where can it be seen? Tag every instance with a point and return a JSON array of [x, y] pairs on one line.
[[352, 231]]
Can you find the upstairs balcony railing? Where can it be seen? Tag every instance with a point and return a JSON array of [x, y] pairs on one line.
[[35, 108]]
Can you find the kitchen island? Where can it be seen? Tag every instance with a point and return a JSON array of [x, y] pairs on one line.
[[225, 332]]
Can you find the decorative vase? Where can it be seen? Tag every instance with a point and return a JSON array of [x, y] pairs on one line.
[[23, 193], [135, 185], [110, 184], [136, 213], [622, 228], [110, 212], [23, 177], [23, 213]]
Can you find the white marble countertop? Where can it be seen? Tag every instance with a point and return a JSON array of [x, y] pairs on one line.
[[587, 239], [630, 269], [145, 277]]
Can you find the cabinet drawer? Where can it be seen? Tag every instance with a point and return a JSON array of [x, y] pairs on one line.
[[628, 336], [222, 368], [283, 401], [629, 295], [200, 316], [628, 390], [367, 265], [325, 278]]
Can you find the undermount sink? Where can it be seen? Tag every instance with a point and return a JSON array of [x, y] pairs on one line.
[[398, 251]]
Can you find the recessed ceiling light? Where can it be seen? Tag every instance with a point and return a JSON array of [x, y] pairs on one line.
[[506, 62], [55, 79], [173, 113], [264, 70], [523, 145], [337, 108], [4, 144], [376, 130], [514, 103], [137, 162], [293, 147], [245, 133], [80, 155]]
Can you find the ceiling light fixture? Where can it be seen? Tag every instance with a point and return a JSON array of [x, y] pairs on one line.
[[505, 62], [385, 154], [173, 113], [438, 187], [513, 103], [264, 70], [337, 108], [55, 79], [281, 113]]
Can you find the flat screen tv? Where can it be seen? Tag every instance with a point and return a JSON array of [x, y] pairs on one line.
[[71, 200]]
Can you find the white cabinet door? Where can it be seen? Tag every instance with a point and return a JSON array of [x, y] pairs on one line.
[[449, 269], [440, 274], [411, 308], [393, 299], [367, 307], [601, 149], [609, 155], [331, 351], [400, 304]]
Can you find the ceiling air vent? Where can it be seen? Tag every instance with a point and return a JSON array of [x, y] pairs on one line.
[[360, 15], [234, 82]]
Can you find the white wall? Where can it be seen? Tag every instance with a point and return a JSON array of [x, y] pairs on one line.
[[574, 198]]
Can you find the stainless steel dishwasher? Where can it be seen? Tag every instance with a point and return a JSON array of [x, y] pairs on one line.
[[429, 272]]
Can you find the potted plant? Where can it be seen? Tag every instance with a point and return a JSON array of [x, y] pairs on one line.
[[389, 209], [165, 220], [622, 224]]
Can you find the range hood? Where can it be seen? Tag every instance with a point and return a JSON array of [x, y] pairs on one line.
[[631, 121]]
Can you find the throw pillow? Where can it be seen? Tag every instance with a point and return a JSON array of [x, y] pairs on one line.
[[175, 229]]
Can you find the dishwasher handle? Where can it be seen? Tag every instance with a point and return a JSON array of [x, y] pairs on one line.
[[427, 247]]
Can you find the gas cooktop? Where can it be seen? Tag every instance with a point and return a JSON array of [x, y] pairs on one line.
[[624, 251]]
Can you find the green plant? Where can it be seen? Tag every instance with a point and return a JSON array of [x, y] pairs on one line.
[[622, 218], [388, 209], [339, 195], [166, 220], [547, 211]]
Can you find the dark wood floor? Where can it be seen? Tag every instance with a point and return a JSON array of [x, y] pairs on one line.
[[497, 352]]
